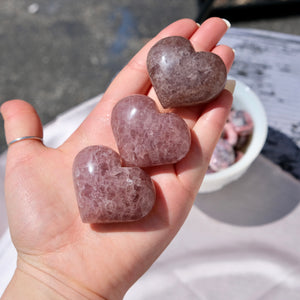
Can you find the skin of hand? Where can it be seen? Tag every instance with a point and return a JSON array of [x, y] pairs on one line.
[[59, 257]]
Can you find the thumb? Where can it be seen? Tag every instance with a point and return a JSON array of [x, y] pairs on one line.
[[21, 120]]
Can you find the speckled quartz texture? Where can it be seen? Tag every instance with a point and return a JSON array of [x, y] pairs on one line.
[[222, 157], [241, 122], [146, 137], [183, 77], [106, 191]]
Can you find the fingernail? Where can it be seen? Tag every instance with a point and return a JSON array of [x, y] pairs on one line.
[[198, 24], [228, 24], [230, 85]]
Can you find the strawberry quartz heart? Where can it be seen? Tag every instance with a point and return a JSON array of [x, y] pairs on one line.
[[183, 77], [106, 191], [146, 137]]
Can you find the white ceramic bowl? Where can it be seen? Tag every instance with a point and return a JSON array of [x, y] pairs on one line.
[[243, 98]]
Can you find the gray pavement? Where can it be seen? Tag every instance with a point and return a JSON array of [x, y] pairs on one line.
[[58, 53]]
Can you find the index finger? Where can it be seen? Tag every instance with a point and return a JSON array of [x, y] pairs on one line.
[[135, 72], [203, 38], [132, 79]]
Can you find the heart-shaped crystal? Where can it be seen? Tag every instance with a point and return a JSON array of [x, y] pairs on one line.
[[146, 137], [107, 192], [183, 77]]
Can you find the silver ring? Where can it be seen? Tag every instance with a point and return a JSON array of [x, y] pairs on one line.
[[29, 137]]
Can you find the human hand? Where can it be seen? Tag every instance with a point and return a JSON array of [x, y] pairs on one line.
[[58, 255]]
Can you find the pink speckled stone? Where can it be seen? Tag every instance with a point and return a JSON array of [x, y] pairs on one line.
[[146, 137], [222, 157], [106, 191], [241, 121], [183, 77]]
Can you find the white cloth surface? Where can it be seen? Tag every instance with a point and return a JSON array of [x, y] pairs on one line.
[[238, 243], [269, 63]]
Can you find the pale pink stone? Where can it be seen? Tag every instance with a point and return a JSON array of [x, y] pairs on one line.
[[222, 157], [229, 134], [241, 121]]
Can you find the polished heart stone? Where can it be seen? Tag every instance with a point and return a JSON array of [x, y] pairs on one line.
[[146, 137], [183, 77], [107, 192]]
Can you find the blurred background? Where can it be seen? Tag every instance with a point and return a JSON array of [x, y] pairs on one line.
[[56, 54]]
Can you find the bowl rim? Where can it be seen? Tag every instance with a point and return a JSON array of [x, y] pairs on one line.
[[258, 140]]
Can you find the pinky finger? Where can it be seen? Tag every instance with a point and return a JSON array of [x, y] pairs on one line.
[[205, 135]]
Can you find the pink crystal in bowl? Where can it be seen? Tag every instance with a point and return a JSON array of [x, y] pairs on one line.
[[243, 99]]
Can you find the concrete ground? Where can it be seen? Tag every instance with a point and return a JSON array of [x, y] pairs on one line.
[[58, 53]]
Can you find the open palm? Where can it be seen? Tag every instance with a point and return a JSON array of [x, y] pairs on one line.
[[98, 261]]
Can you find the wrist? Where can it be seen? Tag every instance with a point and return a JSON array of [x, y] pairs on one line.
[[32, 283]]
